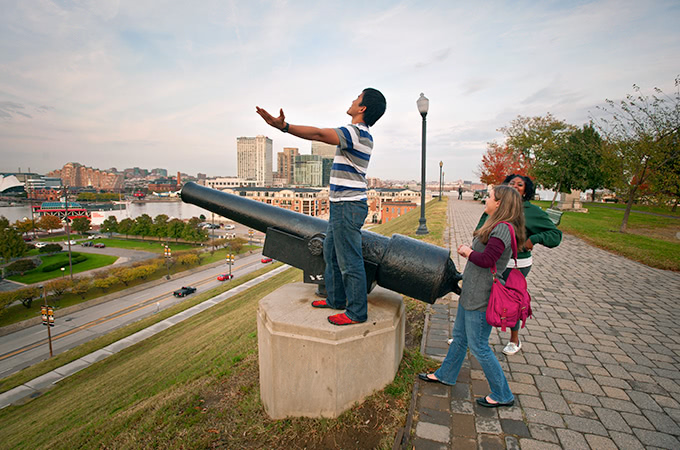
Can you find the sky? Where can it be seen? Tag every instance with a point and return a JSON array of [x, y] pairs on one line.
[[172, 84]]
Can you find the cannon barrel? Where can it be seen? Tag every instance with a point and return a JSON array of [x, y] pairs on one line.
[[402, 264]]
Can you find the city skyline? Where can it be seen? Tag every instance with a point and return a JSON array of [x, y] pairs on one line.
[[115, 84]]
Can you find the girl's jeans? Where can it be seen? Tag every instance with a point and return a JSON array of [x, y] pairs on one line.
[[472, 331]]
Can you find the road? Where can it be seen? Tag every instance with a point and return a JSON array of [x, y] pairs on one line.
[[30, 345]]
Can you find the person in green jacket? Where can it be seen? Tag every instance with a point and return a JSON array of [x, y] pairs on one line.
[[539, 230]]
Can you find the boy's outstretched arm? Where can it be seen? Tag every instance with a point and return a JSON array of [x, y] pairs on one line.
[[326, 135]]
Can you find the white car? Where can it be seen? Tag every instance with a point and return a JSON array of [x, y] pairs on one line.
[[95, 236], [72, 242], [229, 227], [40, 244]]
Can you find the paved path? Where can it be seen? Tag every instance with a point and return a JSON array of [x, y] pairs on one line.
[[599, 366]]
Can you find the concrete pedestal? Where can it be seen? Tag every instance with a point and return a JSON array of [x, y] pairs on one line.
[[311, 368], [571, 202]]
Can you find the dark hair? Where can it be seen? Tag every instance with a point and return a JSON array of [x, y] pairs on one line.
[[375, 104], [529, 188]]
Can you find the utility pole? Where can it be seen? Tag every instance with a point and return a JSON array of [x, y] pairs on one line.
[[68, 232]]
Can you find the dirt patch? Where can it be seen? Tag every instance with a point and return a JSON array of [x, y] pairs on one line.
[[671, 234]]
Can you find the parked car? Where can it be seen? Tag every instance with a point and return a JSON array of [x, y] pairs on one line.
[[229, 227], [95, 236], [184, 291], [224, 277], [266, 260], [99, 245], [86, 244], [480, 194], [40, 244], [27, 238], [72, 242]]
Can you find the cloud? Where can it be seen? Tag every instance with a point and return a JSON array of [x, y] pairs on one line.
[[11, 109]]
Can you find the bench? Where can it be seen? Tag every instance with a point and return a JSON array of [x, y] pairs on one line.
[[555, 215]]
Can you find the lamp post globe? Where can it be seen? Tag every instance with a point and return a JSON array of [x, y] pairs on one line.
[[423, 106]]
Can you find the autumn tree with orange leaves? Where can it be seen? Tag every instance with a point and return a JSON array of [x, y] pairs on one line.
[[499, 162]]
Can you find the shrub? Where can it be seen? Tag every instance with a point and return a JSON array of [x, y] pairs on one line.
[[59, 286], [188, 260], [50, 248], [105, 283], [81, 286], [58, 265], [22, 266]]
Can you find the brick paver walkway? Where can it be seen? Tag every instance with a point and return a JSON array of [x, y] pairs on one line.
[[599, 366]]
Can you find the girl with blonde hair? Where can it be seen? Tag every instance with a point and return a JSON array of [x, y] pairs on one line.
[[490, 245]]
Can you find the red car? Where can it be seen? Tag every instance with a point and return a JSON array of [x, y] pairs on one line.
[[99, 245], [266, 260], [224, 277]]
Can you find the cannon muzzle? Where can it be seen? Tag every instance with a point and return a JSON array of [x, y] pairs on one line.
[[402, 264]]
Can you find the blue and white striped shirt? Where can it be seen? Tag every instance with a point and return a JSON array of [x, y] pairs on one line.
[[348, 174]]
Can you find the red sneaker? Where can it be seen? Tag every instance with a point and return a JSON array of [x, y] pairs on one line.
[[320, 304], [341, 319]]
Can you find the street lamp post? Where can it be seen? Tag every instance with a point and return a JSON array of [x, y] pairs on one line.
[[441, 164], [423, 105]]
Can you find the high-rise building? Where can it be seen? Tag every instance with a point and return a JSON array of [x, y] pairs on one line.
[[308, 170], [285, 163], [323, 149], [255, 159]]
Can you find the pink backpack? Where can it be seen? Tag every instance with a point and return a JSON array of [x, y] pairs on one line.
[[510, 302]]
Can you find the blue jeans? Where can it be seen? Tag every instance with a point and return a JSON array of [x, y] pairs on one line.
[[471, 330], [345, 276]]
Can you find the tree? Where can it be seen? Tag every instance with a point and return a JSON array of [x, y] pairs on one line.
[[81, 225], [589, 160], [642, 136], [48, 222], [105, 283], [160, 226], [176, 229], [11, 243], [125, 226], [24, 226], [27, 295], [665, 181], [499, 162], [110, 225], [143, 225], [541, 141]]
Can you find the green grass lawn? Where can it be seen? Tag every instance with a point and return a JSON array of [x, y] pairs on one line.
[[147, 246], [94, 261], [651, 240], [435, 215], [62, 238]]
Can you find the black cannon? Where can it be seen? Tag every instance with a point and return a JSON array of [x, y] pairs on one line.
[[401, 264]]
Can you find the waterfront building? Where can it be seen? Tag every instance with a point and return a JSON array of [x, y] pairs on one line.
[[285, 164], [76, 175], [222, 183], [254, 159], [380, 198], [308, 170], [324, 150], [392, 209], [308, 201]]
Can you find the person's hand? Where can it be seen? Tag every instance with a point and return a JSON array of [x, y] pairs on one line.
[[276, 122], [528, 244], [464, 250]]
